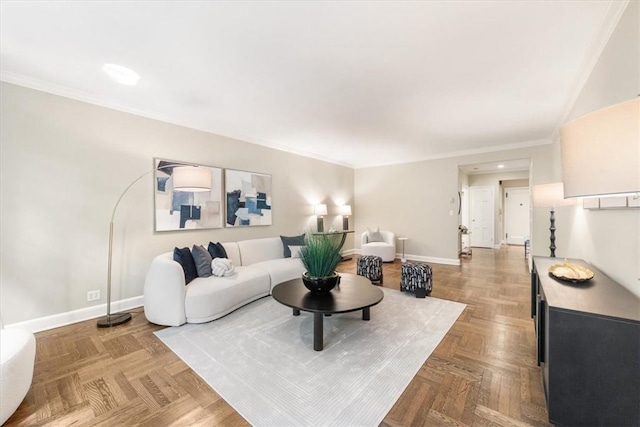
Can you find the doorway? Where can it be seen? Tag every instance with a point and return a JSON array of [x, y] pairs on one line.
[[482, 216], [516, 215]]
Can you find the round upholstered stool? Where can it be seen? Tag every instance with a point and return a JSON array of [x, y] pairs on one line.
[[416, 278], [18, 349], [370, 266]]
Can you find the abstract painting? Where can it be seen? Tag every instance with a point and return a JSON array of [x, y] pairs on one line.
[[186, 210], [248, 198]]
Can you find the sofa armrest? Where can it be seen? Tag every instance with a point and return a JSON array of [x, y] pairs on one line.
[[165, 292]]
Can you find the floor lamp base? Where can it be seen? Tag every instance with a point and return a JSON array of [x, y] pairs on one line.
[[113, 320]]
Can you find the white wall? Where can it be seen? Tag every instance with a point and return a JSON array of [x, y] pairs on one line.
[[64, 164], [610, 239], [414, 199]]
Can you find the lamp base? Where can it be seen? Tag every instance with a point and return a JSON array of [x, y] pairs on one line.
[[113, 320]]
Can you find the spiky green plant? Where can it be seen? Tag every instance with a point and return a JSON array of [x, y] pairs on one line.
[[321, 254]]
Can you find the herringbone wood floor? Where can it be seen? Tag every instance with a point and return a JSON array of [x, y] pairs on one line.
[[482, 373]]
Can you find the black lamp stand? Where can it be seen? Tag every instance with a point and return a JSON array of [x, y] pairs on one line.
[[320, 224], [345, 223], [552, 237]]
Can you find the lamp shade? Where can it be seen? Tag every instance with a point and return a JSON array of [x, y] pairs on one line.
[[191, 178], [320, 209], [345, 210], [550, 195], [601, 151]]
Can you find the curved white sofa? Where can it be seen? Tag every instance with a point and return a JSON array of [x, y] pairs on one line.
[[18, 353], [259, 266]]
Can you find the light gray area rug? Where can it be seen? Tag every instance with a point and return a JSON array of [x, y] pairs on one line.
[[260, 359]]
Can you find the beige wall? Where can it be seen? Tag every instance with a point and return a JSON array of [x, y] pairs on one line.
[[415, 199], [610, 239], [64, 164]]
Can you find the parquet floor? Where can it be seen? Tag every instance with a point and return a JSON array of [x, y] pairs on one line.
[[482, 373]]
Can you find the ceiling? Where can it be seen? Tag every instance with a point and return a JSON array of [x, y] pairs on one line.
[[356, 83]]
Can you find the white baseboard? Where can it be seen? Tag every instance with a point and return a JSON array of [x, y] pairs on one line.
[[435, 260], [64, 319], [348, 252]]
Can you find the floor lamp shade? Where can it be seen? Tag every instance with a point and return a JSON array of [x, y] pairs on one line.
[[185, 178], [191, 178], [550, 196], [601, 151]]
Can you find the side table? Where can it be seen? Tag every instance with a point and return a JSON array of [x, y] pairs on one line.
[[403, 239]]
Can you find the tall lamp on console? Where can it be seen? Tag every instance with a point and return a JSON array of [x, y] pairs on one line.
[[551, 196], [185, 178]]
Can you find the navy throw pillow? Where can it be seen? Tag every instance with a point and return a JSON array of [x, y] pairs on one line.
[[185, 259], [291, 241], [217, 250]]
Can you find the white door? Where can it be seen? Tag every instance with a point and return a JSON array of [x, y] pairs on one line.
[[516, 215], [482, 216]]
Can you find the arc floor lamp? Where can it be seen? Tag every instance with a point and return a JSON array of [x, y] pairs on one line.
[[188, 178]]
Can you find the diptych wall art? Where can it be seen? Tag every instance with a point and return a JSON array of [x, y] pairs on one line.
[[184, 210], [248, 198]]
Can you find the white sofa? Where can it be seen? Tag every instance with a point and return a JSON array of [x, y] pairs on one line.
[[18, 348], [259, 266], [385, 249]]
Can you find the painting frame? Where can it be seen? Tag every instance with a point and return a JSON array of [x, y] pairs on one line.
[[180, 210], [248, 198]]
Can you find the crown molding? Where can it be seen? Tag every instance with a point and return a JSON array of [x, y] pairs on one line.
[[598, 43], [66, 92], [484, 150]]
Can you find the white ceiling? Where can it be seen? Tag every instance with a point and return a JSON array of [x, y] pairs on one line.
[[357, 83]]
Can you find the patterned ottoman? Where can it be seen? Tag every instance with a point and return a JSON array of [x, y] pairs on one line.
[[416, 278], [370, 266]]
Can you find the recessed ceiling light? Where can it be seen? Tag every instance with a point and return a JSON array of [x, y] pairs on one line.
[[121, 74], [500, 166]]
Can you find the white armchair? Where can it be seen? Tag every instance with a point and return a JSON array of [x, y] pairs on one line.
[[386, 249], [18, 348]]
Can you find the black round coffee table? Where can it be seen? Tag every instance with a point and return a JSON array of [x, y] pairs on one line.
[[352, 294]]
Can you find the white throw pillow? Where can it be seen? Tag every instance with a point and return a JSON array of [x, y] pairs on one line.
[[374, 235], [295, 251]]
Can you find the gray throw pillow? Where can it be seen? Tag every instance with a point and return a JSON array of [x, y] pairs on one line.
[[374, 235], [202, 259], [291, 241]]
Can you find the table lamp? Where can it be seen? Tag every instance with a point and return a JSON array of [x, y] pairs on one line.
[[550, 196], [345, 210], [320, 210]]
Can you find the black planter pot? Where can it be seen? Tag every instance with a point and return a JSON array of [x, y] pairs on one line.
[[320, 285]]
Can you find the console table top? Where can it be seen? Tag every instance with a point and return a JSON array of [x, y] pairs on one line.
[[600, 295]]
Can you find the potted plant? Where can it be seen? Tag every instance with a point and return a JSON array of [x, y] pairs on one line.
[[320, 255]]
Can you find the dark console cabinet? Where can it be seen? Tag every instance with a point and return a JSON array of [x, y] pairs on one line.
[[588, 344]]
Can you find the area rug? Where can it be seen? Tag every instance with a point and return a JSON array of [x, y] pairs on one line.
[[260, 359]]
